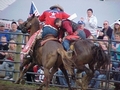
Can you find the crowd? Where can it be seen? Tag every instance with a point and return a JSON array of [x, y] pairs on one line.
[[84, 28]]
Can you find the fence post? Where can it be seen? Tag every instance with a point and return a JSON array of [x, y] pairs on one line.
[[17, 56], [108, 71]]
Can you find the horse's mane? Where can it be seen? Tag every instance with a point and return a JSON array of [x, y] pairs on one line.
[[36, 23], [100, 56]]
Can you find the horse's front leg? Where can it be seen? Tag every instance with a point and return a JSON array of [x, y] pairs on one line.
[[23, 71], [86, 79]]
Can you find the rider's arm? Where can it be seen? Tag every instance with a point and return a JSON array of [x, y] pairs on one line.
[[68, 27], [61, 34], [65, 15]]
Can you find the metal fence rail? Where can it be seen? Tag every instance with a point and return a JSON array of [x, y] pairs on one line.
[[17, 63]]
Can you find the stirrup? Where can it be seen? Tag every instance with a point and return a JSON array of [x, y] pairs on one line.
[[70, 52]]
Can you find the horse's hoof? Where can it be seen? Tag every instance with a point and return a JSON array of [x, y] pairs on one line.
[[22, 81], [39, 89]]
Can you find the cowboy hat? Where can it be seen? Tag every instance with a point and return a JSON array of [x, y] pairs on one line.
[[57, 6]]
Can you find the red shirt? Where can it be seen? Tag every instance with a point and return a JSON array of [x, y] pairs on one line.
[[66, 27], [87, 32], [50, 15]]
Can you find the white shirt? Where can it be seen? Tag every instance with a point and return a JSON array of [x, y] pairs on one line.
[[91, 25]]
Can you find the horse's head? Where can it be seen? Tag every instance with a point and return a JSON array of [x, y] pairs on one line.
[[31, 22]]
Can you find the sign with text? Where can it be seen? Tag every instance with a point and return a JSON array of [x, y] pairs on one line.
[[6, 23]]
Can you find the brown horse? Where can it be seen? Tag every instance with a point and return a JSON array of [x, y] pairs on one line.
[[51, 55], [85, 52]]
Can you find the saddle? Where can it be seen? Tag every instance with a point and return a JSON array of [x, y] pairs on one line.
[[49, 37]]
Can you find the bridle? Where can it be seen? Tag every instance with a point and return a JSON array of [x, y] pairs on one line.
[[25, 28]]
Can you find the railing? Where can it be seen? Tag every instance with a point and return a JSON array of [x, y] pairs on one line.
[[16, 62]]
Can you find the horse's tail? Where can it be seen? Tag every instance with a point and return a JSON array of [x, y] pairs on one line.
[[100, 57], [67, 61]]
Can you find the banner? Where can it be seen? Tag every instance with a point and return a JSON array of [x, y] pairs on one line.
[[7, 23]]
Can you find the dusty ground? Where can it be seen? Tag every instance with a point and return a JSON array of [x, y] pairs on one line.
[[6, 85]]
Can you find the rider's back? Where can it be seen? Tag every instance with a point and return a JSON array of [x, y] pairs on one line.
[[50, 15]]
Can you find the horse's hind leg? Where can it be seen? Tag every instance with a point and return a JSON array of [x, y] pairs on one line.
[[23, 71], [46, 80], [66, 76]]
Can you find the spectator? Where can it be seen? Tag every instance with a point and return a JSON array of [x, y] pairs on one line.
[[14, 30], [107, 30], [3, 46], [8, 63], [116, 48], [4, 32], [62, 79], [104, 44], [41, 76], [90, 22], [20, 21], [116, 29], [82, 27], [98, 75], [92, 38], [116, 77]]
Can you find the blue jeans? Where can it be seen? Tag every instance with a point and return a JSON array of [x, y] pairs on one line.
[[94, 82], [48, 30], [101, 76], [7, 66], [66, 44], [96, 74], [115, 64], [117, 77], [81, 33], [62, 79]]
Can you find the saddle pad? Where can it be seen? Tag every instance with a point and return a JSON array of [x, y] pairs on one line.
[[29, 44], [72, 37]]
